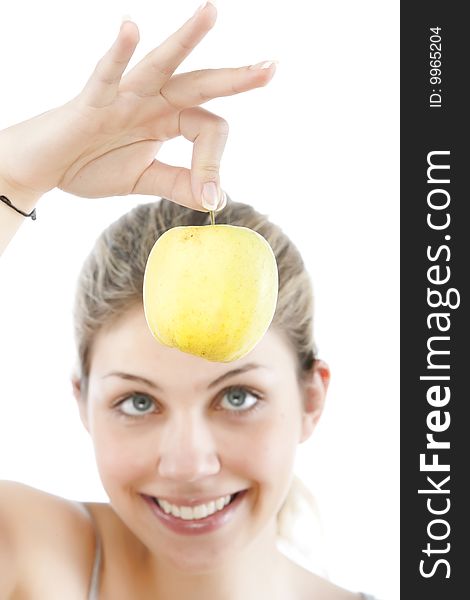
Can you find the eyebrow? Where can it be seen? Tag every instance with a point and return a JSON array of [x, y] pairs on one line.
[[227, 375]]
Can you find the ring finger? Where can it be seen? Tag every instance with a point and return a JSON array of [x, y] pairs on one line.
[[150, 74]]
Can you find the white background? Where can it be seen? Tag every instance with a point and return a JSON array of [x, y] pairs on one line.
[[316, 150]]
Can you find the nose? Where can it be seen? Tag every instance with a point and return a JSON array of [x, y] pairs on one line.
[[187, 449]]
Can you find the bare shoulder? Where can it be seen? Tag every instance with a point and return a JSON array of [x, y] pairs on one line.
[[39, 529], [308, 585]]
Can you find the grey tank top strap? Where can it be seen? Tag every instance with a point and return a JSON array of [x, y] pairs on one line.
[[93, 590], [95, 576]]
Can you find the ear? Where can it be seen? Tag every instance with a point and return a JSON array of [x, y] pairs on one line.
[[81, 401], [314, 388]]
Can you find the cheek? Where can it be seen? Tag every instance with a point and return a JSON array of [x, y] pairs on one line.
[[121, 456], [267, 451]]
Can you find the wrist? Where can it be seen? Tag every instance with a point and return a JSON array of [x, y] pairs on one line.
[[22, 198], [10, 204]]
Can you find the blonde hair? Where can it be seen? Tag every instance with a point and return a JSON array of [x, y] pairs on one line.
[[111, 281]]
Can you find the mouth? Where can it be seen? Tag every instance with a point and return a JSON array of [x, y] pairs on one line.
[[198, 518], [198, 511]]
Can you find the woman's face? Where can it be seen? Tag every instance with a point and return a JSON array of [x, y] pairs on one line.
[[174, 427]]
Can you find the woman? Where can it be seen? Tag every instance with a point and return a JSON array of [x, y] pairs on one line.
[[196, 457]]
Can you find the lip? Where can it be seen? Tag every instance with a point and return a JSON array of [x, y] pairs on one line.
[[199, 526]]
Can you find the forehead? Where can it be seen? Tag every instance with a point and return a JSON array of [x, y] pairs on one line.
[[128, 346]]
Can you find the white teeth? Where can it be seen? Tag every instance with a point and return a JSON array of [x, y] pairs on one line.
[[190, 513], [186, 513], [200, 512]]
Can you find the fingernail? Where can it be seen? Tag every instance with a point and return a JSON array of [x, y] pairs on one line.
[[210, 196], [223, 201], [203, 6], [264, 65]]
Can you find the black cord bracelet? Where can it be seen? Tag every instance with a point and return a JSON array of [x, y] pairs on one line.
[[32, 214]]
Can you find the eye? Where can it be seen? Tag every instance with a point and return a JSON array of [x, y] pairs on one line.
[[239, 399], [137, 404]]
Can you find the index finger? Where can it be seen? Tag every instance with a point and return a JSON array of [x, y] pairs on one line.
[[150, 74]]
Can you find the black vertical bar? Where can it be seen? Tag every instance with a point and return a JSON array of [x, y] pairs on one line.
[[435, 268]]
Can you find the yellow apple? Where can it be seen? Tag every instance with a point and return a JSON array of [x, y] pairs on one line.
[[210, 290]]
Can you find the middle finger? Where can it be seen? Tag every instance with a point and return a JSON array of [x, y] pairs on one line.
[[149, 75], [196, 87]]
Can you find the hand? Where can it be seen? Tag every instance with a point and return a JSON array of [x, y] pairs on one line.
[[104, 141]]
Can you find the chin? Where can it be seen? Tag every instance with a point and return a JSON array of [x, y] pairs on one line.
[[198, 562], [200, 556]]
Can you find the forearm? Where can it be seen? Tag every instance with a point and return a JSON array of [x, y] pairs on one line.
[[10, 220]]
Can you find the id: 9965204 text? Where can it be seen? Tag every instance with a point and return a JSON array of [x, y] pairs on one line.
[[435, 64]]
